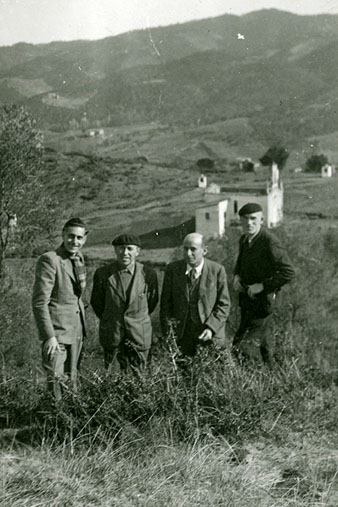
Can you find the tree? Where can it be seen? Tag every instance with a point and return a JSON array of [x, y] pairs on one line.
[[277, 154], [247, 165], [205, 163], [315, 163], [27, 212]]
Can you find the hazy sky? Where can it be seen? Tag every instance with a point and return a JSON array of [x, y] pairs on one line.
[[45, 20]]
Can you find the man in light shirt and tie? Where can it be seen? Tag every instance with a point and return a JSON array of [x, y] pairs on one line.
[[195, 298]]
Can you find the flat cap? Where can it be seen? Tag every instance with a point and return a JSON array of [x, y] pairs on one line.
[[250, 207], [126, 239]]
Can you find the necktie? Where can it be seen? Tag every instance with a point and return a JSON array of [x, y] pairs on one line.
[[193, 275]]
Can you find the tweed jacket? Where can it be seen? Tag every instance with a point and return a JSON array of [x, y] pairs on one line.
[[58, 311], [122, 319], [213, 301]]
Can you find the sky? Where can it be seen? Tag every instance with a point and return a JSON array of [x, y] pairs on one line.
[[40, 21]]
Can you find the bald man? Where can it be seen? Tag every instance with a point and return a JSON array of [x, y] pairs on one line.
[[195, 298]]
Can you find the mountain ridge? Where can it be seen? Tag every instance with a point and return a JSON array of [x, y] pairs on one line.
[[272, 66]]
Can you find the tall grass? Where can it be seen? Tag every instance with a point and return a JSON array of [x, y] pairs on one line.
[[208, 433]]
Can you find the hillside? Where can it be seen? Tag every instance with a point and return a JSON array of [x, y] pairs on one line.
[[282, 76]]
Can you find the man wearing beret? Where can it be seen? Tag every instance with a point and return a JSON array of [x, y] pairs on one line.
[[124, 295], [262, 268], [60, 280], [195, 298]]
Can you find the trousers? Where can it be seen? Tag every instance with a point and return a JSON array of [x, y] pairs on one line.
[[62, 366], [254, 338], [125, 358]]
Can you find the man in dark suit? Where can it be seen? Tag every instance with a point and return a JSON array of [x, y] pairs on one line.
[[195, 297], [60, 280], [124, 295], [262, 268]]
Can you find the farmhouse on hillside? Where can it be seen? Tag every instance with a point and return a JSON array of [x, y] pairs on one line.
[[327, 171], [221, 209]]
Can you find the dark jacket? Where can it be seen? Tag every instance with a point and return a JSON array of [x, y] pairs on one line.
[[263, 261], [213, 302], [121, 319]]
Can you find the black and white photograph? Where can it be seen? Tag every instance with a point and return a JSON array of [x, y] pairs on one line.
[[169, 253]]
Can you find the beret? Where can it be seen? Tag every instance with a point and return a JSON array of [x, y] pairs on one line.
[[250, 207], [126, 239]]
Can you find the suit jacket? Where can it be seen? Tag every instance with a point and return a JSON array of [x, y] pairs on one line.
[[213, 301], [58, 311], [121, 319]]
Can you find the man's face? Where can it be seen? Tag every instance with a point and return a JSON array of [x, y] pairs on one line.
[[73, 239], [252, 223], [126, 254], [194, 251]]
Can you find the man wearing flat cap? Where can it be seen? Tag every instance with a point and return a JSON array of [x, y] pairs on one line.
[[262, 268], [60, 280], [124, 295]]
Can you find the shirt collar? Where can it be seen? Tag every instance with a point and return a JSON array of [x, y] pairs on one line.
[[129, 269], [69, 255], [251, 240], [197, 268]]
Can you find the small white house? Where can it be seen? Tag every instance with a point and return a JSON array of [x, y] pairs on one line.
[[211, 219], [202, 181], [327, 171]]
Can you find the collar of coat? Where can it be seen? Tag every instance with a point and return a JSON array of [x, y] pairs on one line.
[[250, 242], [198, 269], [207, 279], [113, 277], [64, 254], [66, 261]]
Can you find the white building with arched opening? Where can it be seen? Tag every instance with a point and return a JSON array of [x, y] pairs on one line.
[[202, 181], [327, 171]]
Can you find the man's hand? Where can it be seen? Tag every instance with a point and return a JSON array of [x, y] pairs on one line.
[[50, 346], [237, 284], [206, 335], [255, 289]]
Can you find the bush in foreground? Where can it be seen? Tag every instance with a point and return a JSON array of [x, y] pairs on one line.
[[210, 397]]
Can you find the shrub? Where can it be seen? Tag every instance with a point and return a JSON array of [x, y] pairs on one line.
[[315, 163]]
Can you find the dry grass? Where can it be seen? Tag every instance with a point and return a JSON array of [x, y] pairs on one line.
[[190, 475]]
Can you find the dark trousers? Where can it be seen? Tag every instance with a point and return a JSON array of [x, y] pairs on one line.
[[254, 338], [189, 340], [125, 358]]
